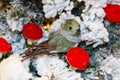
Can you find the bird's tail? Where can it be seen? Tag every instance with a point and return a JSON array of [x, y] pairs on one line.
[[35, 50]]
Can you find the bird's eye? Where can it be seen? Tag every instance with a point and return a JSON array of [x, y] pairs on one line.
[[70, 28]]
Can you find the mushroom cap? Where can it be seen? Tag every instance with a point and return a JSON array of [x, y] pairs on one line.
[[112, 12], [32, 31], [78, 58], [4, 46]]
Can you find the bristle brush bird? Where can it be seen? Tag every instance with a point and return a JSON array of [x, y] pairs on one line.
[[60, 41]]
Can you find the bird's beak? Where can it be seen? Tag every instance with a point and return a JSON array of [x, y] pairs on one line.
[[78, 30]]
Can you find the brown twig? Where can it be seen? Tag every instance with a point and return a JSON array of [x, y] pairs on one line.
[[40, 49]]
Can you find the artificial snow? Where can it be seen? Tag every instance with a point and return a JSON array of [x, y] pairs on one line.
[[17, 41], [13, 69], [54, 7], [111, 65], [53, 66]]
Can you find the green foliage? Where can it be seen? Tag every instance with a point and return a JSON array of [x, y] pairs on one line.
[[18, 14]]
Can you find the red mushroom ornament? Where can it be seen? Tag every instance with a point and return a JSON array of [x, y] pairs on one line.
[[78, 58], [32, 31], [112, 12], [4, 46]]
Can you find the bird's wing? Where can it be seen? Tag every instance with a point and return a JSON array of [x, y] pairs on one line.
[[62, 44]]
